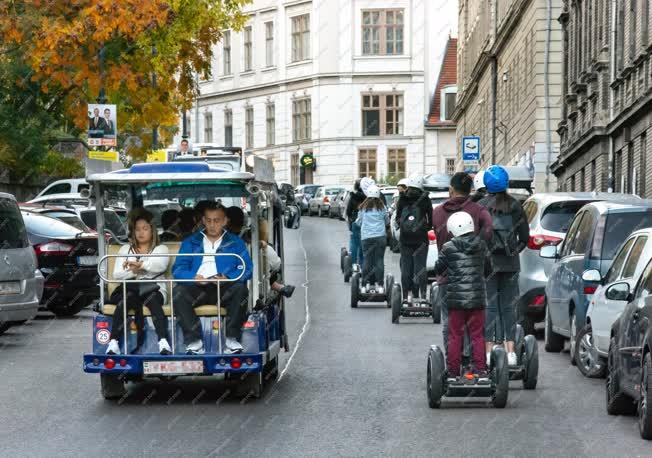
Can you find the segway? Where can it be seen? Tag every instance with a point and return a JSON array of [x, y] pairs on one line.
[[527, 357], [410, 308], [360, 293], [495, 385]]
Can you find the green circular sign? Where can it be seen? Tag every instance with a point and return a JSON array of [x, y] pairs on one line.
[[308, 161]]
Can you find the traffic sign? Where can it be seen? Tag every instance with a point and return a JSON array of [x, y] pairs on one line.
[[471, 150]]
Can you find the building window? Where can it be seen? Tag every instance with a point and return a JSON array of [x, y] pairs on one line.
[[572, 183], [448, 102], [270, 121], [382, 32], [228, 128], [367, 163], [269, 44], [450, 166], [582, 179], [300, 38], [645, 5], [226, 45], [632, 29], [642, 172], [294, 169], [248, 55], [301, 120], [630, 168], [208, 127], [382, 114], [396, 163], [593, 176], [620, 35], [249, 127]]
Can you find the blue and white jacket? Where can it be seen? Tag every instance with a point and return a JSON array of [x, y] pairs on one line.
[[186, 267]]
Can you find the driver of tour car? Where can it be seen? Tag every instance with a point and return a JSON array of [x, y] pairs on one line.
[[213, 239]]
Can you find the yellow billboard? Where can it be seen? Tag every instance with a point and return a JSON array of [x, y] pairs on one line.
[[104, 155], [160, 155]]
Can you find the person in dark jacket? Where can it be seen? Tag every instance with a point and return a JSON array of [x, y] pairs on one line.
[[465, 261], [511, 233], [352, 208], [460, 188], [414, 219]]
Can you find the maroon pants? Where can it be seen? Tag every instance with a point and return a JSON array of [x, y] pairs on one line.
[[474, 321]]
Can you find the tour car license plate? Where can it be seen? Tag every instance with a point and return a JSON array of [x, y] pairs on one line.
[[9, 287], [87, 260], [173, 367]]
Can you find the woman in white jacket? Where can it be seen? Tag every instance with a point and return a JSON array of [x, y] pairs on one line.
[[143, 239]]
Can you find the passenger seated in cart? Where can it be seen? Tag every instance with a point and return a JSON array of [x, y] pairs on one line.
[[273, 262], [373, 221], [213, 239], [465, 260], [143, 239], [236, 220], [169, 220]]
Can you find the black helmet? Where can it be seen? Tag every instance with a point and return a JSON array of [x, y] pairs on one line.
[[356, 185]]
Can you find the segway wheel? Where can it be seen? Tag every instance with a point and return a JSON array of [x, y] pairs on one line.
[[435, 304], [435, 377], [343, 254], [519, 343], [355, 290], [530, 362], [348, 268], [389, 283], [500, 374], [395, 300]]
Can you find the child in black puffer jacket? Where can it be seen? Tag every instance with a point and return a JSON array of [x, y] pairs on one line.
[[466, 262]]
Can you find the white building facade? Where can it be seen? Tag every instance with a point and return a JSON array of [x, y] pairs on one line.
[[348, 81]]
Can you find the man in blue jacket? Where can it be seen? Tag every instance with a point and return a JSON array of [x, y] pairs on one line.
[[213, 239]]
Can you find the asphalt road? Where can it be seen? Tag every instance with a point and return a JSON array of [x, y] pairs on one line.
[[354, 386]]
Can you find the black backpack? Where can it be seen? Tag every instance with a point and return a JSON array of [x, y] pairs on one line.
[[504, 236], [411, 220]]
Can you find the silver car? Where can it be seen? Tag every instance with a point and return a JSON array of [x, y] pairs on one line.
[[549, 216], [21, 284], [320, 204]]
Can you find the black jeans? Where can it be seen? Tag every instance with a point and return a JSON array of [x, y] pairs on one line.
[[187, 296], [373, 264], [414, 275], [153, 301]]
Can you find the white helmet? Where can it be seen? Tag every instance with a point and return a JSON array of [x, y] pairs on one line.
[[460, 223], [403, 182], [373, 191], [415, 181], [365, 183], [478, 180]]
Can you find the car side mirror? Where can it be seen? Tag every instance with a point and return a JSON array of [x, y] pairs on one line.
[[618, 292], [548, 252], [592, 275]]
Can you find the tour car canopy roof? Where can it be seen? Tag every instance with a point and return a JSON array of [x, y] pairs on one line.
[[157, 172]]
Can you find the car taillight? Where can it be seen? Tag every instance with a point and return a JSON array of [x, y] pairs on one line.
[[326, 200], [432, 238], [590, 289], [236, 363], [535, 242], [53, 248], [538, 300]]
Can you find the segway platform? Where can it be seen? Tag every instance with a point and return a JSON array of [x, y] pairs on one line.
[[373, 294], [412, 309]]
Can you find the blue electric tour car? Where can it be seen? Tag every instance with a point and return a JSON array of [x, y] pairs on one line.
[[264, 331]]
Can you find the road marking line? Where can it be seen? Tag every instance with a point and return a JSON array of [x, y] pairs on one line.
[[307, 308]]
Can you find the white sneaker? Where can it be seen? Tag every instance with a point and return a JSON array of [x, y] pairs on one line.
[[363, 290], [195, 348], [511, 359], [488, 360], [380, 290], [113, 348], [233, 346], [164, 347]]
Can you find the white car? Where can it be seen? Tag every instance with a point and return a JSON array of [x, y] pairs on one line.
[[592, 343], [69, 186]]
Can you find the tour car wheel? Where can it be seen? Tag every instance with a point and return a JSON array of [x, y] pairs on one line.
[[112, 386], [435, 377], [248, 385], [530, 362], [500, 373]]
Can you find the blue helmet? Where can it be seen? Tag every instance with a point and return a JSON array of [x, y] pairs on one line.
[[496, 179]]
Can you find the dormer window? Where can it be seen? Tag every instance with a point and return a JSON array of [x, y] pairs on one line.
[[448, 101]]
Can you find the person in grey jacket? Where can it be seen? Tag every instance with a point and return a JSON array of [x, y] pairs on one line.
[[511, 233]]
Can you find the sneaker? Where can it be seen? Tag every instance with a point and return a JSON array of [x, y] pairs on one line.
[[233, 346], [287, 291], [511, 359], [164, 347], [113, 348], [363, 290], [195, 348]]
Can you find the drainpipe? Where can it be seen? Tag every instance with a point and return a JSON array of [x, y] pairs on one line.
[[494, 81], [612, 76], [546, 92]]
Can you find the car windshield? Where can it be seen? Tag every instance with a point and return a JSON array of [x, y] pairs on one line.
[[44, 226], [619, 226], [68, 218], [557, 217], [333, 191], [12, 229], [309, 189], [111, 221]]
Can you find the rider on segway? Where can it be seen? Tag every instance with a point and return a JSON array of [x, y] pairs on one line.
[[352, 208]]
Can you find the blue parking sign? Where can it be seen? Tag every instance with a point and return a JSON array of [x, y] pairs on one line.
[[471, 150]]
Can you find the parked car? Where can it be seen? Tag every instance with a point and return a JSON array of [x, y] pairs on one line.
[[67, 258], [592, 345], [387, 193], [549, 216], [21, 283], [303, 193], [592, 240], [338, 206], [73, 185], [320, 204], [629, 361], [65, 214]]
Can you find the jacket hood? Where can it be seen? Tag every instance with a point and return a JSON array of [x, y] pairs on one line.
[[468, 243], [455, 204]]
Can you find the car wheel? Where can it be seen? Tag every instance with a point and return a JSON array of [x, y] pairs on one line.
[[618, 403], [644, 410], [588, 361], [573, 337], [112, 386], [554, 343]]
